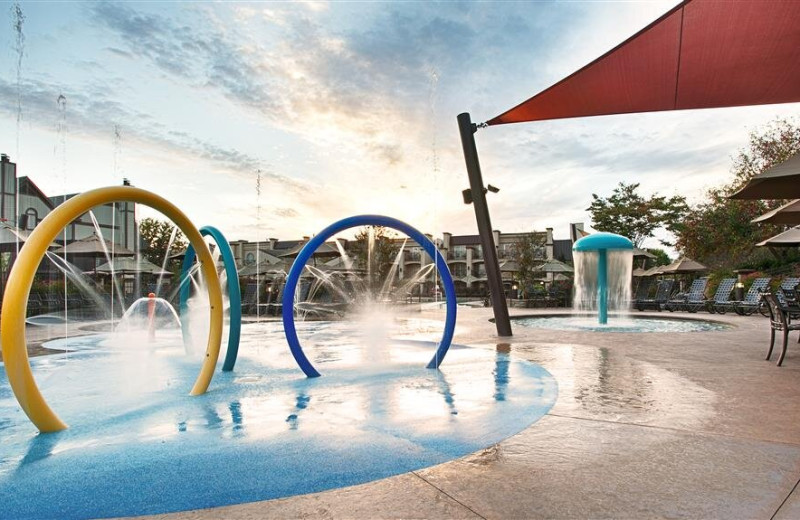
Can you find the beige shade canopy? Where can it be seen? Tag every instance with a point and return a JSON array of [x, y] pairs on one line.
[[683, 265], [93, 246], [790, 238], [642, 253], [324, 250], [10, 235], [266, 265], [781, 181], [786, 214], [653, 271], [131, 265], [555, 266]]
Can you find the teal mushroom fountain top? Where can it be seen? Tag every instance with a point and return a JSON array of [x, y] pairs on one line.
[[601, 243]]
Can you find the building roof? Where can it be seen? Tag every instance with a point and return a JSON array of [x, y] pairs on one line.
[[28, 187]]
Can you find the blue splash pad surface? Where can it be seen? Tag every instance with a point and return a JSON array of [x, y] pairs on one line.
[[138, 444]]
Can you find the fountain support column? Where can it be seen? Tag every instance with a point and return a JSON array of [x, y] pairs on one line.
[[602, 287], [600, 244]]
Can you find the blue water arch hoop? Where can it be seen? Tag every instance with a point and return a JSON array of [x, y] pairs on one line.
[[365, 220], [234, 294]]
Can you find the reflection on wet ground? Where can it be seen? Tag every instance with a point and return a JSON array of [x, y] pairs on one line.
[[601, 384]]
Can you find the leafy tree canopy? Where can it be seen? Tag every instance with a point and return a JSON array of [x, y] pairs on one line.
[[718, 232], [629, 214], [529, 253], [661, 257], [384, 251], [158, 235]]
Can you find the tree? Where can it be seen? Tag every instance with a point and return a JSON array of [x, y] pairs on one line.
[[383, 252], [629, 214], [157, 236], [529, 253], [718, 231], [661, 257]]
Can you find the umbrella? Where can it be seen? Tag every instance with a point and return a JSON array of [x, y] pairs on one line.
[[324, 250], [781, 181], [639, 272], [788, 238], [131, 265], [682, 266], [266, 264], [786, 214], [653, 270], [643, 253], [555, 266], [509, 266], [11, 235], [93, 246]]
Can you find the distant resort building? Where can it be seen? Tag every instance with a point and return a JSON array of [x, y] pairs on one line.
[[116, 221], [265, 263], [269, 260], [23, 205]]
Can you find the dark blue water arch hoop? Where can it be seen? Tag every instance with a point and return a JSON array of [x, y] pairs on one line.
[[234, 294], [351, 222]]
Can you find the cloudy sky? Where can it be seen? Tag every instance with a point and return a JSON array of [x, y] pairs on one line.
[[277, 118]]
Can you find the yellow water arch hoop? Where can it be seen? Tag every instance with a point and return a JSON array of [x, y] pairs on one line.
[[15, 302]]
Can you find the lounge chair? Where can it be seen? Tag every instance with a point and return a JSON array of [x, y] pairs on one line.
[[752, 299], [642, 291], [787, 298], [663, 293], [721, 297], [691, 301], [788, 286], [249, 299], [779, 319]]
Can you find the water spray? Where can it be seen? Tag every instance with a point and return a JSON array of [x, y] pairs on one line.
[[601, 243]]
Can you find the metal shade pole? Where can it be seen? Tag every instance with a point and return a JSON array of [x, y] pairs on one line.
[[494, 279]]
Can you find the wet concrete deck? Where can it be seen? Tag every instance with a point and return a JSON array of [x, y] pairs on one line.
[[683, 425]]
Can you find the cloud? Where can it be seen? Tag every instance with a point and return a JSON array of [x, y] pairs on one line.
[[332, 85], [95, 111]]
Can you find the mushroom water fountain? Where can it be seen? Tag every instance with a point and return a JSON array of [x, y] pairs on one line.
[[603, 267]]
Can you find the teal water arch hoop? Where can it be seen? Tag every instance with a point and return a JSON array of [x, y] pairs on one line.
[[365, 220], [234, 294]]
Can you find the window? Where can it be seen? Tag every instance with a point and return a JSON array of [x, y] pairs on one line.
[[249, 259], [31, 218], [458, 270]]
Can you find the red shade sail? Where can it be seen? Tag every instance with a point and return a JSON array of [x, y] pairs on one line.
[[700, 54]]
